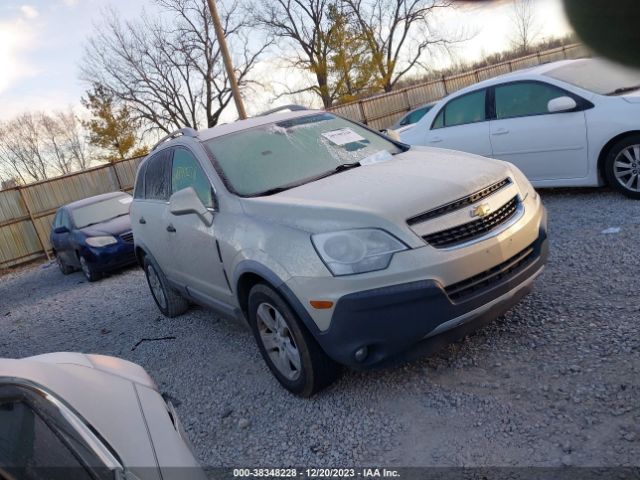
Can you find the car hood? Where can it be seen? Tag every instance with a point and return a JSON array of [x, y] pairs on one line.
[[382, 195], [632, 97], [114, 226]]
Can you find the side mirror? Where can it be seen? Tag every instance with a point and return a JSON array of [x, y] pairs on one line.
[[561, 104], [393, 135], [61, 229], [186, 202]]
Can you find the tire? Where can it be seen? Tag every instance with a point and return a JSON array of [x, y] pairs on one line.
[[168, 300], [280, 335], [622, 166], [64, 268], [88, 271]]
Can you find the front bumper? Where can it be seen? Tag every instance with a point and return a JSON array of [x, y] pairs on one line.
[[111, 257], [422, 316]]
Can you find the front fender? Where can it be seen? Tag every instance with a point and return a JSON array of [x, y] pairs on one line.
[[277, 278]]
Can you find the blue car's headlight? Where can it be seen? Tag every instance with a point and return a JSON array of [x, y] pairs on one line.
[[101, 241]]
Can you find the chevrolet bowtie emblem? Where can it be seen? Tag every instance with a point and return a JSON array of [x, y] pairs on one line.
[[481, 210]]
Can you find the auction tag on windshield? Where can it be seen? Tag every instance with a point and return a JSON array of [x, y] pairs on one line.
[[342, 136], [125, 201]]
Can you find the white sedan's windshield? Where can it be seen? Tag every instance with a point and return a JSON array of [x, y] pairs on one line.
[[598, 76], [292, 152]]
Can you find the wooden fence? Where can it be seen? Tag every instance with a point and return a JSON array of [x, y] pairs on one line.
[[26, 212], [383, 110]]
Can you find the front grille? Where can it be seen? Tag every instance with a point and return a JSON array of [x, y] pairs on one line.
[[127, 237], [466, 288], [477, 228], [460, 203]]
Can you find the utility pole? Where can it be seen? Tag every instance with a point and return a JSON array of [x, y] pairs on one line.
[[224, 50]]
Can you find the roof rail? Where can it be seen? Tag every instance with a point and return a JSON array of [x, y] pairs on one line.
[[185, 132], [291, 107]]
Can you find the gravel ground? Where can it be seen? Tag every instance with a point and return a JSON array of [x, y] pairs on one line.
[[554, 382]]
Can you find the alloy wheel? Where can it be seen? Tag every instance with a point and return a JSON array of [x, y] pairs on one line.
[[626, 168], [278, 341], [156, 287]]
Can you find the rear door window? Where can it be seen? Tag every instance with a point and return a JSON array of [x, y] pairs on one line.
[[469, 108], [57, 221], [65, 219], [138, 191], [157, 177]]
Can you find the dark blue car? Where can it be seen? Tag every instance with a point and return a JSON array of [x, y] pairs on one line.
[[94, 235]]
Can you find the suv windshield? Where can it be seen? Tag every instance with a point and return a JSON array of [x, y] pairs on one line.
[[101, 211], [598, 76], [268, 158]]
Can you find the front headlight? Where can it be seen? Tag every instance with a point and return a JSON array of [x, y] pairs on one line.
[[356, 251], [101, 241]]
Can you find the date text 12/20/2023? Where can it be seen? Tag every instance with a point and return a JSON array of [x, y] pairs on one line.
[[315, 473]]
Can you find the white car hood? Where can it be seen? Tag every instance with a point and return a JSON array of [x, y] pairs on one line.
[[382, 195], [633, 97]]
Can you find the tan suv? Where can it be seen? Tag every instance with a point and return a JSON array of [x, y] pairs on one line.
[[336, 243]]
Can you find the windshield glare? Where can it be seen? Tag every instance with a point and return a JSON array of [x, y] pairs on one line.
[[101, 211], [293, 152], [597, 75]]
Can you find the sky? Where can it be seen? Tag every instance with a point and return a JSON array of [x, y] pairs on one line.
[[41, 45]]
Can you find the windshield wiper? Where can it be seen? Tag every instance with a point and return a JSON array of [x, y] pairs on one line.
[[346, 166], [338, 169], [620, 91], [104, 221], [272, 191]]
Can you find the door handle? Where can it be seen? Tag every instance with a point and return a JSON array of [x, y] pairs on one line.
[[142, 220], [435, 139], [500, 131], [171, 228]]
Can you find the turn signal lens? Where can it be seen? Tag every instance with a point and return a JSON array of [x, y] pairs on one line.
[[321, 304]]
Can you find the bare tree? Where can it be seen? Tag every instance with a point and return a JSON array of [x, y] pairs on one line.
[[170, 74], [75, 138], [304, 26], [399, 33], [21, 147], [525, 24], [33, 146], [54, 141]]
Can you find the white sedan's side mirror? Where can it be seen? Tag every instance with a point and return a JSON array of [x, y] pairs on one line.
[[393, 135], [561, 104]]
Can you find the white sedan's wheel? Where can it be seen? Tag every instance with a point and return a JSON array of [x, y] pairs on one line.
[[627, 168], [622, 166]]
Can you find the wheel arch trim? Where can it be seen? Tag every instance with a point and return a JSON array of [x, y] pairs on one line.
[[606, 148], [265, 273]]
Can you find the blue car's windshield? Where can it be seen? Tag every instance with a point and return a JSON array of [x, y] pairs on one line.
[[101, 211]]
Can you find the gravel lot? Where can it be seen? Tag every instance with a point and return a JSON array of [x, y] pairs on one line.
[[554, 382]]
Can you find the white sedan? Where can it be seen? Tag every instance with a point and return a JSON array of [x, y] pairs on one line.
[[571, 123]]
